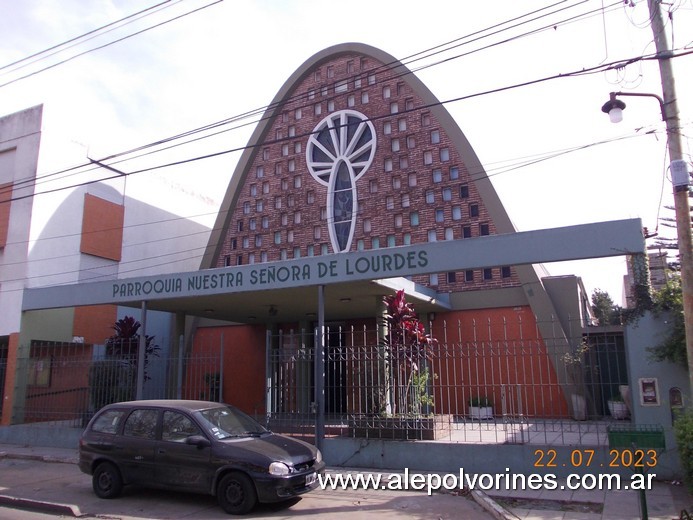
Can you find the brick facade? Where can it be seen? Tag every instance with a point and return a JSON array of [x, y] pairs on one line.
[[280, 210]]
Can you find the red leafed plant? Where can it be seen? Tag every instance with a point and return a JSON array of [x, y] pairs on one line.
[[409, 348]]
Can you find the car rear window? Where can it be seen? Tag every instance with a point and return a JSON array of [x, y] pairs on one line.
[[108, 421]]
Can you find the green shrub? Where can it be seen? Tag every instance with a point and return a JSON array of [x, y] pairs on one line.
[[683, 431]]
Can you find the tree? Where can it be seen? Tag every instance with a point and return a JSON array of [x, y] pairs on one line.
[[673, 347], [604, 308]]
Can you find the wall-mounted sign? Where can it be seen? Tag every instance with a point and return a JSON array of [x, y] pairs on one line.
[[649, 391]]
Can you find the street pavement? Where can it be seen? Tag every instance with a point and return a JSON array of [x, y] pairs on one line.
[[39, 483]]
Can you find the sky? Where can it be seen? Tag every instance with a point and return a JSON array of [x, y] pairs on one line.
[[553, 156]]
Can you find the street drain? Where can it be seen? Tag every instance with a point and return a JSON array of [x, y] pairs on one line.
[[551, 505]]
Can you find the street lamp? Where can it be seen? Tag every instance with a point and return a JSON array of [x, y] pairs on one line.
[[680, 179]]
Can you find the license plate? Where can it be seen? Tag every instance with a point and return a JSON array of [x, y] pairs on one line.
[[310, 479]]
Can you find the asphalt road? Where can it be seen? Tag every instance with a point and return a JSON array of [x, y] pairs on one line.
[[39, 490]]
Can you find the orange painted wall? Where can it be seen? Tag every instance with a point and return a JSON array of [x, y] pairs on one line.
[[495, 349], [10, 374], [5, 197], [102, 228], [94, 323], [244, 363]]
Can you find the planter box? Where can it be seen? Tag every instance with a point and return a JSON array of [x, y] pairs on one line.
[[403, 428], [479, 413]]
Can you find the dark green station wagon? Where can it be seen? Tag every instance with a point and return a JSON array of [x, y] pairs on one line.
[[195, 446]]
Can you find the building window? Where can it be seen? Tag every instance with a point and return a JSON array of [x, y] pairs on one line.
[[488, 273], [483, 230], [323, 249], [330, 71], [466, 232], [317, 109], [246, 207], [290, 236], [389, 203], [364, 97], [310, 197], [433, 279], [284, 219], [371, 79], [357, 83], [430, 197], [265, 222], [398, 220], [285, 150], [394, 145], [278, 133], [449, 233], [341, 86], [317, 232], [282, 254], [265, 188], [285, 184], [298, 114], [311, 94], [411, 142], [277, 237], [297, 252], [426, 119], [428, 158], [386, 92], [258, 240], [435, 136], [239, 226], [297, 147], [451, 277], [414, 218], [366, 225], [290, 200], [403, 162], [412, 179], [432, 235], [265, 154], [227, 260], [351, 101], [405, 200], [394, 108], [252, 224], [373, 186], [505, 271], [454, 173], [402, 124], [375, 243], [473, 210], [409, 104], [297, 181], [360, 245], [406, 239], [263, 256], [396, 182], [469, 275], [440, 215], [277, 202], [391, 241], [387, 128], [239, 260], [447, 194], [278, 169], [456, 213], [253, 190], [297, 217], [310, 250], [260, 172], [330, 106], [259, 206], [444, 154], [464, 191], [387, 166], [292, 131], [437, 175], [234, 245]]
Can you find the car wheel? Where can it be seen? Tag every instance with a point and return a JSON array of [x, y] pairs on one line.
[[236, 494], [106, 481]]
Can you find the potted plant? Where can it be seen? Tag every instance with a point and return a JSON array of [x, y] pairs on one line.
[[480, 407], [617, 407]]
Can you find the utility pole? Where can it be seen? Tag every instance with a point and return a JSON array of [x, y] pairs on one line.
[[679, 173]]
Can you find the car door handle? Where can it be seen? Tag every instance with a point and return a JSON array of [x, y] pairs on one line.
[[161, 451]]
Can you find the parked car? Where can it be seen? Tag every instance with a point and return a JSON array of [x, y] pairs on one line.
[[195, 446]]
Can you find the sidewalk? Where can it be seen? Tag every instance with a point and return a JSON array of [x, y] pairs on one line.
[[664, 502]]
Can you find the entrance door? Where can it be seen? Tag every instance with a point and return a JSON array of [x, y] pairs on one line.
[[335, 372]]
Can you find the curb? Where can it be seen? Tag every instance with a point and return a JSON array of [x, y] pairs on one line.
[[40, 506]]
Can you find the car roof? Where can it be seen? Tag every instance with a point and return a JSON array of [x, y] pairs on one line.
[[179, 404]]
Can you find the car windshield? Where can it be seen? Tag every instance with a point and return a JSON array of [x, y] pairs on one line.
[[224, 422]]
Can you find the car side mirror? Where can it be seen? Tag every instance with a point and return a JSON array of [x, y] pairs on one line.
[[198, 440]]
